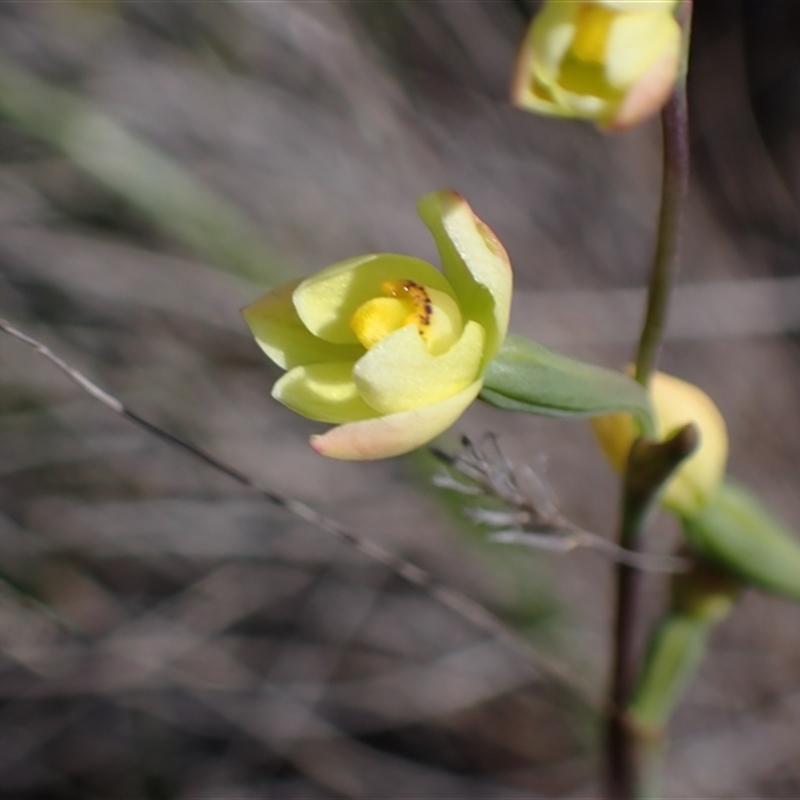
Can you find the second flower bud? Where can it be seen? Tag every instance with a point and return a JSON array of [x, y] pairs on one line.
[[676, 403], [611, 61]]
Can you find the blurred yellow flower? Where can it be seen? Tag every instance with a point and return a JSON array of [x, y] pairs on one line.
[[676, 403], [611, 61], [386, 346]]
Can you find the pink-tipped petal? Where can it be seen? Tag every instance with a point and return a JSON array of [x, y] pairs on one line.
[[394, 434], [474, 261], [649, 94]]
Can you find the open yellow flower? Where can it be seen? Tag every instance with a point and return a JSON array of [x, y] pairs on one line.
[[386, 346], [611, 61], [676, 403]]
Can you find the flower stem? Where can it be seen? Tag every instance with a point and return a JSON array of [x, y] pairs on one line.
[[650, 464], [674, 188], [621, 767], [625, 750]]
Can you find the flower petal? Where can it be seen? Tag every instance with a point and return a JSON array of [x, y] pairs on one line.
[[394, 434], [326, 301], [282, 336], [636, 41], [324, 392], [474, 261], [550, 37], [587, 106], [532, 82], [530, 94], [639, 5], [677, 403], [399, 373], [648, 94]]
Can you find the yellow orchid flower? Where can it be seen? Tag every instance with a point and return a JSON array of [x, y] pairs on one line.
[[611, 61], [386, 346], [676, 403]]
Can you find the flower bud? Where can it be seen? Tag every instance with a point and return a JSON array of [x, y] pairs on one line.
[[676, 403], [611, 61]]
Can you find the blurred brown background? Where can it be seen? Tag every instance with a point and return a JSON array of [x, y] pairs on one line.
[[165, 634]]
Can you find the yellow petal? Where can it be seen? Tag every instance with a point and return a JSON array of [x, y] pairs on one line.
[[648, 94], [615, 434], [280, 333], [535, 73], [639, 5], [324, 392], [400, 373], [394, 434], [636, 41], [474, 262], [591, 32], [584, 89], [530, 94], [327, 300], [445, 324], [550, 37]]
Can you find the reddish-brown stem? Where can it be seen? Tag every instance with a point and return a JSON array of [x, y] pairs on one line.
[[623, 778]]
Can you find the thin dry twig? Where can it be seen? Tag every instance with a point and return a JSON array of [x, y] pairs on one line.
[[457, 602], [533, 519]]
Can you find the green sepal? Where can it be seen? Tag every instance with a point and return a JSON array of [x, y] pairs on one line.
[[527, 377], [673, 656], [736, 531]]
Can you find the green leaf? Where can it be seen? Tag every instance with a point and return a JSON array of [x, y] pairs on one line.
[[735, 530], [525, 376], [673, 656]]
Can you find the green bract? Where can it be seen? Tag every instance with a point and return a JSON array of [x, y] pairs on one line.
[[385, 346], [736, 531], [524, 376]]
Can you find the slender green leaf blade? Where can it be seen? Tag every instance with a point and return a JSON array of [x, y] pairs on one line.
[[524, 376]]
